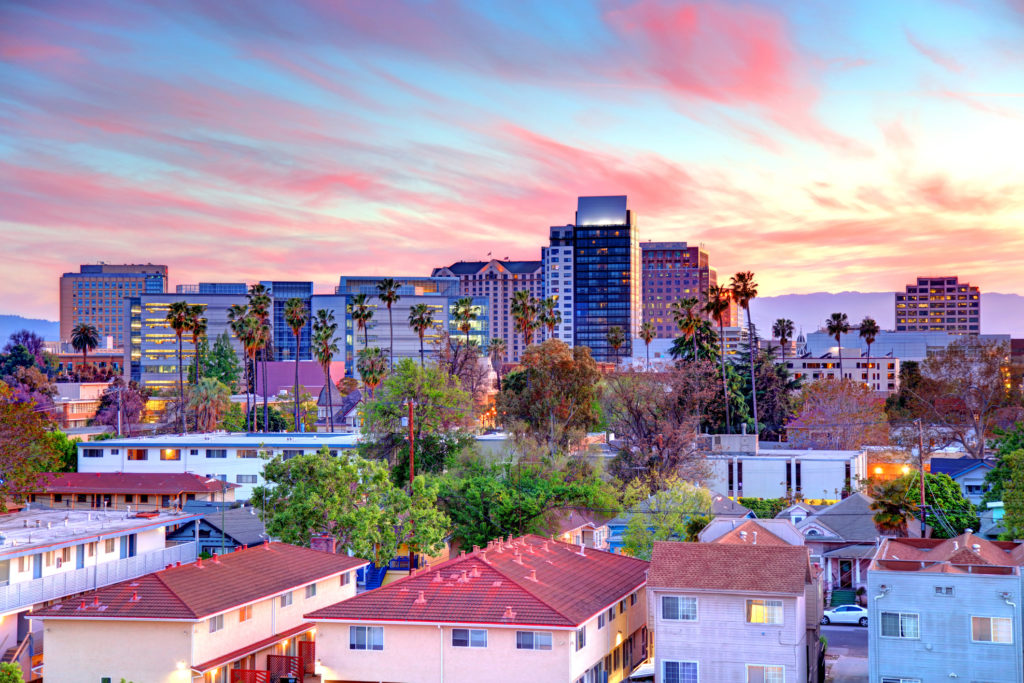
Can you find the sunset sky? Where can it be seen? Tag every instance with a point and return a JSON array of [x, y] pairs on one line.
[[823, 145]]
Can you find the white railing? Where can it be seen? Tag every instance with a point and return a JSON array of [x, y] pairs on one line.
[[55, 586]]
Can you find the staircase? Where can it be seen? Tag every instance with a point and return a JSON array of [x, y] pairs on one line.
[[375, 576], [843, 596]]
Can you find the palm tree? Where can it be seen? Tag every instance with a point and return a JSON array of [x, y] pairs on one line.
[[496, 349], [179, 315], [259, 306], [421, 319], [464, 313], [744, 290], [210, 399], [524, 312], [296, 315], [84, 338], [372, 367], [782, 329], [837, 325], [325, 348], [550, 316], [237, 316], [197, 326], [684, 313], [717, 305], [253, 338], [387, 291], [892, 505], [616, 338], [647, 333], [868, 332], [362, 314]]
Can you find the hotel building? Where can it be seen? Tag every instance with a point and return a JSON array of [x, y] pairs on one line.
[[674, 271]]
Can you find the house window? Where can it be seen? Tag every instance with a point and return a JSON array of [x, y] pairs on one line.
[[622, 606], [897, 679], [344, 579], [761, 673], [764, 611], [288, 453], [677, 608], [680, 672], [600, 621], [245, 613], [216, 452], [286, 599], [170, 454], [366, 637], [108, 545], [92, 452], [247, 453], [991, 629], [466, 637], [81, 498], [143, 497], [311, 591], [216, 623], [129, 497], [581, 638], [632, 599], [23, 564], [901, 625], [944, 591], [137, 454], [533, 640], [245, 479]]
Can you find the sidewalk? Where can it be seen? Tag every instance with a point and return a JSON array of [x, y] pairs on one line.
[[839, 668]]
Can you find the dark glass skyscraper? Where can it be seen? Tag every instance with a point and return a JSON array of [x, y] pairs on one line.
[[606, 276]]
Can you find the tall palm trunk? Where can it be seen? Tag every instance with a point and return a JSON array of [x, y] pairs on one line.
[[391, 340], [869, 365], [421, 349], [181, 388], [330, 398], [725, 382], [297, 383], [839, 345], [366, 338], [266, 411], [753, 382], [648, 356], [247, 375]]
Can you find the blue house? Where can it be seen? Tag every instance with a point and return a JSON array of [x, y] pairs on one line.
[[235, 528], [721, 506], [968, 473]]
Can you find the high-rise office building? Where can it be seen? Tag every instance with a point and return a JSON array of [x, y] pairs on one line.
[[284, 338], [673, 271], [151, 346], [606, 276], [558, 276], [498, 281], [95, 295], [939, 304], [439, 293]]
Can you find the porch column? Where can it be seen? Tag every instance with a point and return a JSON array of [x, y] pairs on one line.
[[856, 571], [828, 571]]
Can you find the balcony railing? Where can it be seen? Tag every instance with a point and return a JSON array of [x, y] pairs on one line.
[[55, 586]]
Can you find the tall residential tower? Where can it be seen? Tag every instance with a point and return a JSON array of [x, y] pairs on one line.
[[942, 304]]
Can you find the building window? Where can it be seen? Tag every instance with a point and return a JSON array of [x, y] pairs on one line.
[[137, 454], [216, 623], [245, 479], [366, 637], [675, 608], [465, 637], [901, 625], [288, 453], [600, 621], [216, 453], [581, 638], [897, 679], [311, 591], [680, 672], [170, 454], [344, 579], [245, 613], [247, 453], [92, 452], [108, 545], [533, 640], [632, 599], [286, 599], [991, 629], [760, 673], [764, 611], [622, 606], [946, 591]]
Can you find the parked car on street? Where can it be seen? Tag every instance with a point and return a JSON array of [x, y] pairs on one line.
[[846, 614]]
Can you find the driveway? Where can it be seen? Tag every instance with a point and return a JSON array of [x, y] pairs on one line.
[[846, 660]]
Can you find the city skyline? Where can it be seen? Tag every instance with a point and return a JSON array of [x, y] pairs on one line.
[[825, 148]]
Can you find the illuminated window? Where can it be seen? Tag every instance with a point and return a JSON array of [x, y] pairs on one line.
[[764, 611]]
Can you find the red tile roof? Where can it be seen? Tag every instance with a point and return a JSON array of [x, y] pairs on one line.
[[525, 581], [730, 567], [749, 528], [198, 590], [125, 482], [927, 554], [251, 648]]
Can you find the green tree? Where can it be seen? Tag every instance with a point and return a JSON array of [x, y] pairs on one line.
[[222, 364], [1006, 441], [197, 327], [702, 340], [1013, 495], [10, 672], [718, 303], [616, 338], [837, 325], [743, 290], [209, 400], [352, 500], [179, 315], [325, 348], [498, 351], [260, 334], [25, 448], [949, 513], [421, 319], [65, 449], [465, 313], [647, 333], [782, 329], [684, 314], [239, 321], [372, 368], [362, 313], [550, 316], [764, 508], [868, 331], [551, 400], [387, 292], [485, 502], [84, 338], [902, 405], [296, 315], [665, 516], [525, 309]]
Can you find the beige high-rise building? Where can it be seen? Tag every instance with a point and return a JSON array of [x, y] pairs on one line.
[[96, 294], [939, 304]]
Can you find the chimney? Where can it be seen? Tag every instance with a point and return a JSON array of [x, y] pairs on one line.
[[216, 558], [245, 546], [476, 549], [179, 564], [465, 577], [421, 600], [82, 606], [475, 573], [199, 561]]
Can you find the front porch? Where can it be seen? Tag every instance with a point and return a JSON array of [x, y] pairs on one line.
[[290, 653], [846, 569]]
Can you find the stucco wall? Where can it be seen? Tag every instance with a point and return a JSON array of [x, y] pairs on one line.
[[145, 652]]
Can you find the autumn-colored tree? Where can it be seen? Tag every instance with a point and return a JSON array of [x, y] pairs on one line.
[[551, 400], [24, 447], [837, 414]]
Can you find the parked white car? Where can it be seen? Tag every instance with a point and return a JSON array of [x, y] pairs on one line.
[[846, 614]]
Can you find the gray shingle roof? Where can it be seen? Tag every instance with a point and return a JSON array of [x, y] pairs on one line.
[[852, 519], [240, 524]]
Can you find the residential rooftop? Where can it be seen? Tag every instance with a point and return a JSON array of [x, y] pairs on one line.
[[171, 484], [964, 554], [205, 588], [526, 581], [782, 569], [234, 439]]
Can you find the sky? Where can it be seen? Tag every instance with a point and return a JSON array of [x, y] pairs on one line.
[[825, 146]]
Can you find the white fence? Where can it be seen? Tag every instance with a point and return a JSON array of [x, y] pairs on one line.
[[27, 593]]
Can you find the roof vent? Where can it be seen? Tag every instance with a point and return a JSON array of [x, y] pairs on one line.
[[956, 545], [476, 549], [518, 559], [583, 550], [496, 584], [509, 614], [531, 549], [743, 535], [976, 547], [437, 578], [421, 599], [532, 576], [135, 596], [199, 561], [82, 606], [755, 538], [474, 573], [465, 577], [96, 601]]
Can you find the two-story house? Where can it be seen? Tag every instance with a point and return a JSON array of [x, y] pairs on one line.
[[521, 609], [200, 621], [731, 611], [968, 473], [943, 609]]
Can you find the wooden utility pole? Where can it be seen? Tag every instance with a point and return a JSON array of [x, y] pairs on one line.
[[920, 460]]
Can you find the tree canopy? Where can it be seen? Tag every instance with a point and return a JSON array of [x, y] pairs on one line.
[[667, 515], [837, 414]]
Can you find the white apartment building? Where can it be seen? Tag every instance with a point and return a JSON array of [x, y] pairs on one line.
[[558, 277], [880, 373]]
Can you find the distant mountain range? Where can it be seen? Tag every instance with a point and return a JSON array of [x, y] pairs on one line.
[[9, 324], [1000, 313]]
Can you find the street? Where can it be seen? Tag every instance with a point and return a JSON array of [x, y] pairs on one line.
[[850, 645]]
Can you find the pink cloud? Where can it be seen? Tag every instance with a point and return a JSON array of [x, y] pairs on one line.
[[935, 55]]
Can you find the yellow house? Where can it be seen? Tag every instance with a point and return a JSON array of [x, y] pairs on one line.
[[524, 609], [201, 621]]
